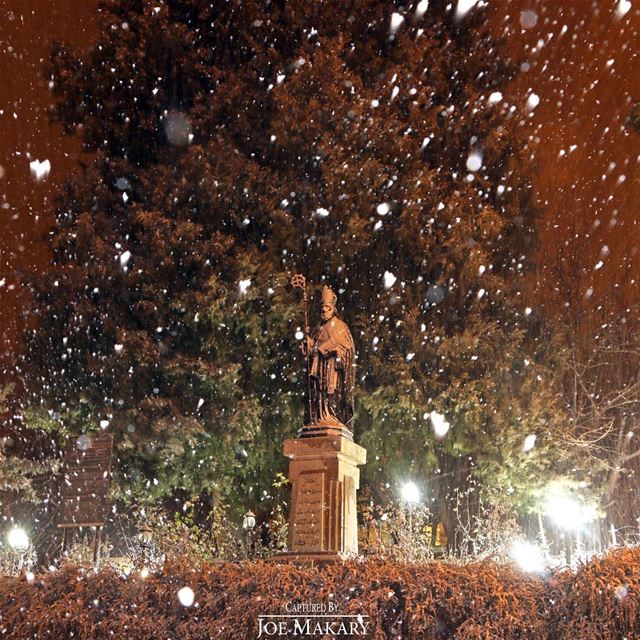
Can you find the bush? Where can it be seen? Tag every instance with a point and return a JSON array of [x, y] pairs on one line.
[[427, 600]]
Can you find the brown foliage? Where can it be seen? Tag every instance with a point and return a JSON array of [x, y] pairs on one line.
[[429, 600]]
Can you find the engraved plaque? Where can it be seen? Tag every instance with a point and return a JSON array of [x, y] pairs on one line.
[[87, 473], [308, 519]]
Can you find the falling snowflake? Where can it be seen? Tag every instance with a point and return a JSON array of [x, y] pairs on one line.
[[528, 19], [40, 170], [186, 596], [621, 591], [421, 9], [463, 7], [623, 8], [533, 101], [177, 129], [435, 294], [124, 258], [389, 279], [439, 424], [529, 442], [396, 21], [474, 160]]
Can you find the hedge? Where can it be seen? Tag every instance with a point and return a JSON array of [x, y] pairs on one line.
[[435, 600]]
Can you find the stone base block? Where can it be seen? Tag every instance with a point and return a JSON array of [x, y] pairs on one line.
[[325, 477]]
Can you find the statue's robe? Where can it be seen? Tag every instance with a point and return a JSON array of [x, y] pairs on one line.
[[331, 374]]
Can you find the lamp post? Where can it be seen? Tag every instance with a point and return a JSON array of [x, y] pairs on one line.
[[571, 515], [248, 525], [410, 494], [145, 536], [19, 542], [18, 539]]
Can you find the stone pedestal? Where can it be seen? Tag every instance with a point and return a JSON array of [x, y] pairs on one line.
[[325, 476]]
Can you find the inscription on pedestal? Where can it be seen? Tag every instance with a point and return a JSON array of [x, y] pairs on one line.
[[307, 526]]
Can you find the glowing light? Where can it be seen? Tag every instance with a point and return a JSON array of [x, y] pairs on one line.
[[529, 442], [144, 573], [410, 492], [528, 556], [568, 512], [18, 539]]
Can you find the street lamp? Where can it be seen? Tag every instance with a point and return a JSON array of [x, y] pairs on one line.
[[18, 539], [248, 524], [570, 514], [145, 536], [249, 520], [19, 543], [410, 494]]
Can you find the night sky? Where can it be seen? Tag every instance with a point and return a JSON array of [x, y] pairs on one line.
[[580, 58]]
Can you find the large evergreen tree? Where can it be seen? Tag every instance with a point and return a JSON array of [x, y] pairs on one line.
[[236, 143]]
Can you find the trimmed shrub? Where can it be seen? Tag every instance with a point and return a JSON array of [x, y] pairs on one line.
[[439, 600]]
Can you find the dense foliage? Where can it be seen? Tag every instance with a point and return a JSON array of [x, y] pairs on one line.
[[429, 600], [235, 144]]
